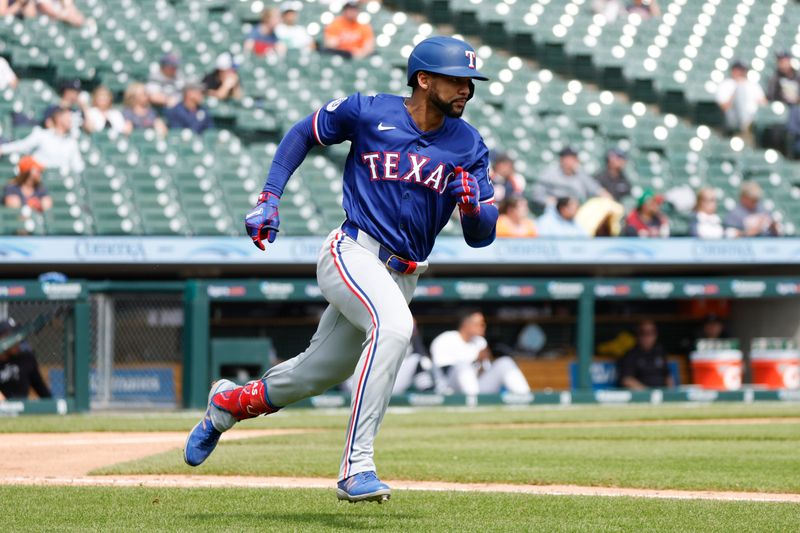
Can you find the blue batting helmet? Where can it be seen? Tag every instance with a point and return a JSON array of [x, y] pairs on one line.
[[444, 55]]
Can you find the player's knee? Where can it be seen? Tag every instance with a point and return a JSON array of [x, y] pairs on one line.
[[504, 363], [398, 329]]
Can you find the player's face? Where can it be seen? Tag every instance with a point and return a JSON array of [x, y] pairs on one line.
[[647, 336], [476, 325], [449, 94]]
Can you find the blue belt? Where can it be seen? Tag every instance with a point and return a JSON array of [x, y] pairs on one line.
[[387, 257]]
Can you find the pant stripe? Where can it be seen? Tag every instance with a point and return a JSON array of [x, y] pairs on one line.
[[358, 392]]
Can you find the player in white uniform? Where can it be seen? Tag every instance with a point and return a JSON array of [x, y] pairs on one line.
[[464, 357]]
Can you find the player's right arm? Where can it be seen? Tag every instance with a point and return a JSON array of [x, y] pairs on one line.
[[331, 124]]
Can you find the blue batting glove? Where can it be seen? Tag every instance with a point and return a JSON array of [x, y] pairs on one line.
[[263, 220], [464, 188]]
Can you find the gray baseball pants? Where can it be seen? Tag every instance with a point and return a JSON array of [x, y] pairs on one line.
[[364, 333]]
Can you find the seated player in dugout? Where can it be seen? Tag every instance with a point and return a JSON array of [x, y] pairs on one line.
[[465, 360], [19, 371], [412, 162], [645, 365]]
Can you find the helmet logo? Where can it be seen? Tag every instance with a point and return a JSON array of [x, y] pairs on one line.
[[471, 56]]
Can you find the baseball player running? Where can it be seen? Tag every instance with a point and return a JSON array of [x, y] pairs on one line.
[[411, 162]]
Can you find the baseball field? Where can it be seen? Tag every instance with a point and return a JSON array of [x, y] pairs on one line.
[[722, 467]]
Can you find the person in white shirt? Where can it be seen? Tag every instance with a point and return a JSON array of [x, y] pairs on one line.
[[8, 80], [558, 219], [464, 358], [610, 9], [103, 116], [739, 98], [53, 147], [706, 223], [290, 34], [165, 85]]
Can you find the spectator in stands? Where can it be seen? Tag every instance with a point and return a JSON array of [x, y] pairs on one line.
[[647, 220], [564, 179], [190, 113], [222, 83], [262, 39], [784, 85], [645, 9], [464, 358], [138, 111], [53, 147], [514, 219], [61, 10], [19, 371], [71, 100], [165, 84], [290, 34], [103, 116], [645, 365], [749, 218], [8, 80], [27, 187], [612, 178], [739, 98], [610, 9], [558, 219], [506, 181], [347, 36], [706, 223], [18, 8]]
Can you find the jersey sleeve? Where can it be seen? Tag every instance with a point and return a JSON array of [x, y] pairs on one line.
[[337, 121], [480, 171]]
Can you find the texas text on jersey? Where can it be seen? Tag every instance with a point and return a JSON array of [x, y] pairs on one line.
[[395, 174]]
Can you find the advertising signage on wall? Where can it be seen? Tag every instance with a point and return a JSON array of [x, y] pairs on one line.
[[493, 289], [448, 250]]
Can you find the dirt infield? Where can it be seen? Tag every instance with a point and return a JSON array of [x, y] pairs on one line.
[[76, 454], [176, 481], [66, 460]]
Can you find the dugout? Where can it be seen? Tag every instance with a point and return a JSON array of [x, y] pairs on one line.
[[158, 344], [574, 312]]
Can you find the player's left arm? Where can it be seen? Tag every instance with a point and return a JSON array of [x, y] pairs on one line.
[[474, 193]]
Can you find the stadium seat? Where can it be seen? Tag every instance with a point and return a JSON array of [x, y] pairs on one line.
[[185, 184]]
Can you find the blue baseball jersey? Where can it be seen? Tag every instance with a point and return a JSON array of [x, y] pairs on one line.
[[395, 175]]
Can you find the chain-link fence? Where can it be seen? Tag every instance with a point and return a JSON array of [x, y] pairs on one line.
[[44, 328], [137, 350]]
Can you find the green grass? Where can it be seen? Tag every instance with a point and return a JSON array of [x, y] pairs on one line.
[[419, 418], [144, 509], [758, 457], [433, 445]]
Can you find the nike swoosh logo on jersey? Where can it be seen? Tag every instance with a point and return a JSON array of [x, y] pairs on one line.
[[381, 127]]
